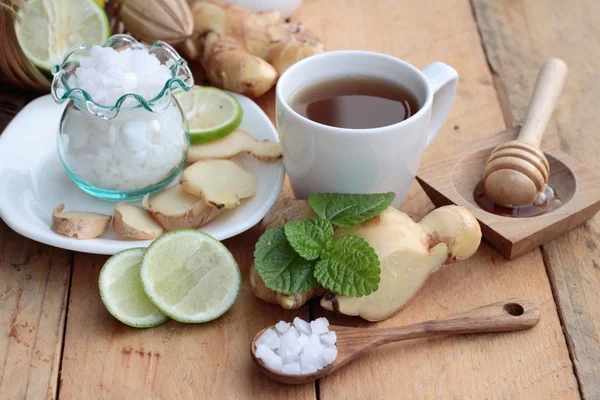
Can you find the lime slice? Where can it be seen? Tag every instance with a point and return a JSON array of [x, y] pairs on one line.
[[50, 28], [122, 293], [190, 276], [211, 113]]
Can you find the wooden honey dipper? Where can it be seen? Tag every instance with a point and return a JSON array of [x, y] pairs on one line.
[[517, 172]]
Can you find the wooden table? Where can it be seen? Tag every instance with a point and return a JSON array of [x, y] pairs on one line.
[[58, 340]]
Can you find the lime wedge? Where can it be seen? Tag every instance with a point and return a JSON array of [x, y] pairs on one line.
[[190, 276], [122, 293], [49, 28], [211, 113]]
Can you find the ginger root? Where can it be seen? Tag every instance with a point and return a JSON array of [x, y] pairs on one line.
[[237, 142], [78, 224], [283, 211], [408, 252], [245, 52], [174, 208], [133, 222]]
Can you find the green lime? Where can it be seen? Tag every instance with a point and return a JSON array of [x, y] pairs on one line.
[[211, 113], [49, 28], [190, 276], [122, 293]]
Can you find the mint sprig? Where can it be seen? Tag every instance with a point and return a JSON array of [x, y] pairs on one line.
[[280, 267], [302, 255], [349, 209], [309, 237], [351, 268]]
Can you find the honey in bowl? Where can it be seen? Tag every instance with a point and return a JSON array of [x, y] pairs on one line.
[[550, 201]]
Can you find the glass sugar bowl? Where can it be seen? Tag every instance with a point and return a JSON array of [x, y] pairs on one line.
[[122, 134]]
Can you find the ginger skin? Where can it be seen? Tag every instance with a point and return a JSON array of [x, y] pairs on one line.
[[283, 211], [408, 252], [245, 52]]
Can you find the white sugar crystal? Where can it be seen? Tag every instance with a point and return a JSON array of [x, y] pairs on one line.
[[282, 326], [312, 354], [270, 338], [330, 354], [303, 340], [329, 338], [270, 359], [292, 368], [302, 326], [290, 346], [135, 150], [309, 369], [297, 350], [319, 326], [108, 74]]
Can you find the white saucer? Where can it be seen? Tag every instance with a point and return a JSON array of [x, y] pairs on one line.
[[33, 181]]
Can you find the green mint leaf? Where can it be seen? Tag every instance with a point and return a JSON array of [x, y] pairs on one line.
[[347, 210], [351, 268], [280, 267], [309, 237]]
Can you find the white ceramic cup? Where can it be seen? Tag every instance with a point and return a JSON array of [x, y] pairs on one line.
[[321, 158]]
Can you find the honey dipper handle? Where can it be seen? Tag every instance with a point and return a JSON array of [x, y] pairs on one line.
[[547, 89]]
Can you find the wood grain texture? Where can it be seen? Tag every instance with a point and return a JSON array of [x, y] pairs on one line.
[[104, 359], [503, 316], [530, 364], [34, 281], [518, 35]]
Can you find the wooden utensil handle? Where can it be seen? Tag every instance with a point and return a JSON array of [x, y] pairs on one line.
[[504, 316], [549, 84]]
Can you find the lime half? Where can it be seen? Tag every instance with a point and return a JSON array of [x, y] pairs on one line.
[[122, 293], [50, 28], [190, 276], [211, 113]]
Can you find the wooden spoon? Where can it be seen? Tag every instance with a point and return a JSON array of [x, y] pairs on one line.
[[504, 316], [518, 170]]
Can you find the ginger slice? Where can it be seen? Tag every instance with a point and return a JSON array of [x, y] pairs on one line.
[[408, 253], [174, 208], [133, 222], [235, 143], [222, 183], [283, 211], [78, 224]]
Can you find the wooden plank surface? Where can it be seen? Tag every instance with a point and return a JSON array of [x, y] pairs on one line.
[[519, 35], [34, 281]]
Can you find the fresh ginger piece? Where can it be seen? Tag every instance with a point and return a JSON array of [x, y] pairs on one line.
[[79, 224], [286, 210], [244, 51], [408, 254], [235, 143], [283, 211], [174, 208], [222, 183], [287, 301], [133, 222], [291, 43], [230, 67]]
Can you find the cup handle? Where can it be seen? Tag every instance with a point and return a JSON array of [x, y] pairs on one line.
[[443, 80]]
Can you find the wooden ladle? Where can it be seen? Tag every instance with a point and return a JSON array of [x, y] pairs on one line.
[[518, 170], [504, 316]]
